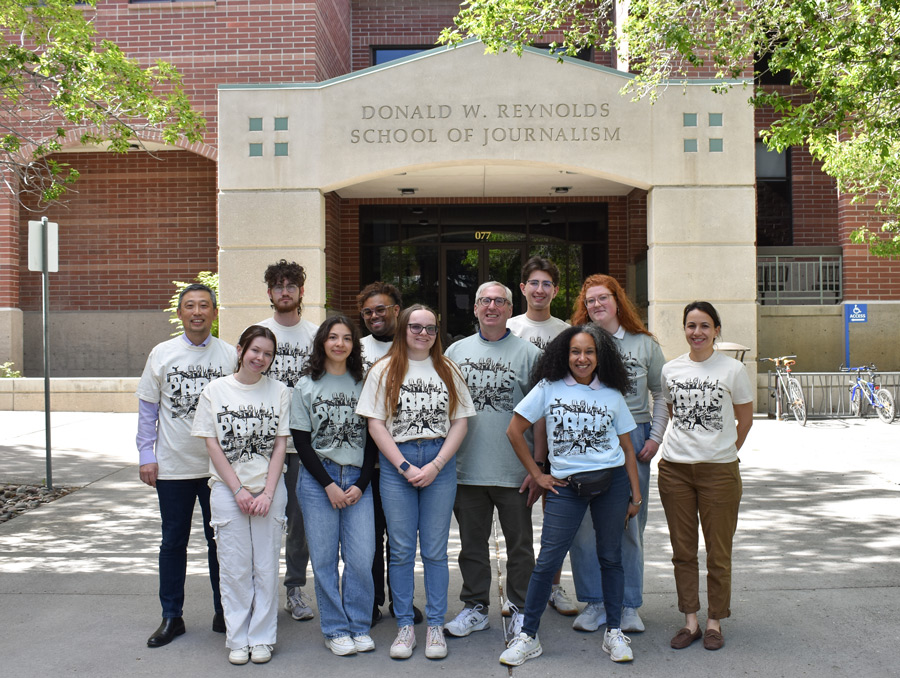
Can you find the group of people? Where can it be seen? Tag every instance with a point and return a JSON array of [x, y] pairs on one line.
[[389, 436]]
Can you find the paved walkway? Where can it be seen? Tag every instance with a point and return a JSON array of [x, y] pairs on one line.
[[815, 582]]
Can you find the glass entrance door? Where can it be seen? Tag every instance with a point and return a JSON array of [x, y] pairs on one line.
[[465, 267]]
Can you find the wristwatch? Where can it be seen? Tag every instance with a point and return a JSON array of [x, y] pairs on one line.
[[404, 467], [637, 503]]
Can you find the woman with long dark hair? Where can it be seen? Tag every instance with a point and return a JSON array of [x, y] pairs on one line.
[[710, 400], [245, 418], [603, 302], [580, 394], [333, 486], [417, 403]]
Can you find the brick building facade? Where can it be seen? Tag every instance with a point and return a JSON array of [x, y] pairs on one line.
[[136, 222]]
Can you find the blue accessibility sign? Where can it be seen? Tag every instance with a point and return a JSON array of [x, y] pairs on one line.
[[856, 313]]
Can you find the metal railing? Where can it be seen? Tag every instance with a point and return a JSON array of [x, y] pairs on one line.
[[827, 394], [799, 275]]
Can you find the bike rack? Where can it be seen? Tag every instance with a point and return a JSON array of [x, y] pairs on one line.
[[827, 394]]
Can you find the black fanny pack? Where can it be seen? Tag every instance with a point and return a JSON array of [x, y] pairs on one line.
[[591, 483]]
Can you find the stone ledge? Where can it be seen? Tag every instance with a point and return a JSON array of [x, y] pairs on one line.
[[98, 394]]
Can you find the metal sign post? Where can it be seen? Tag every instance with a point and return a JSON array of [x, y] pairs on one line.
[[853, 313], [43, 256]]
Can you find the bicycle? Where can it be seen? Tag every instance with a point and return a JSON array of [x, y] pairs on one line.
[[787, 389], [878, 398]]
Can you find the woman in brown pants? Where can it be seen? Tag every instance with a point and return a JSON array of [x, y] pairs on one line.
[[706, 391]]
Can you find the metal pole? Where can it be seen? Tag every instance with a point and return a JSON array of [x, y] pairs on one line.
[[45, 265]]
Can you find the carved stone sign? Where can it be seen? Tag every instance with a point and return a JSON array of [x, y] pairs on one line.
[[484, 125]]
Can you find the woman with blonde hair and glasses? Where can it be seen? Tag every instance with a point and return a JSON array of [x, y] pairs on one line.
[[603, 302], [417, 403]]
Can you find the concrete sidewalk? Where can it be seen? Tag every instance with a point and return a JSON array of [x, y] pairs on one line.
[[815, 580]]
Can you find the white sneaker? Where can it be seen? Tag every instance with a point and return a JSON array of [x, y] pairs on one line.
[[616, 645], [260, 654], [435, 644], [298, 604], [559, 600], [342, 645], [515, 623], [520, 649], [364, 642], [631, 621], [592, 617], [469, 620], [404, 643], [240, 655]]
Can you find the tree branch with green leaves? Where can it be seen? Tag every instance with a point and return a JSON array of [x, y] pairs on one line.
[[58, 79], [842, 59]]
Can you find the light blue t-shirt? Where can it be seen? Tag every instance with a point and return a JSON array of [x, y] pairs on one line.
[[583, 424]]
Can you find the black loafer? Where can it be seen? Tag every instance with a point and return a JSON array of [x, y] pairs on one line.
[[219, 622], [171, 628]]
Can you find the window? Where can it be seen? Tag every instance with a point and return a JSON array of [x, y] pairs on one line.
[[382, 55], [774, 221]]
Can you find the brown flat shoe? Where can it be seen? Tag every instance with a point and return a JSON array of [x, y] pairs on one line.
[[684, 638], [713, 639]]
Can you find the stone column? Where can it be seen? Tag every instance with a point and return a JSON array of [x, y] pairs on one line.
[[11, 319], [702, 247], [257, 228]]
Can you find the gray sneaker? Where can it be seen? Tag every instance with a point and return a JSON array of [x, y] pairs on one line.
[[298, 604], [560, 601], [631, 621], [469, 620], [592, 617]]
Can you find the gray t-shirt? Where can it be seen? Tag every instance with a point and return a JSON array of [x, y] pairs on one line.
[[644, 360], [498, 374]]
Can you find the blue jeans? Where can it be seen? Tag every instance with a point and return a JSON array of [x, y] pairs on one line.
[[345, 606], [176, 508], [585, 568], [412, 511], [562, 516]]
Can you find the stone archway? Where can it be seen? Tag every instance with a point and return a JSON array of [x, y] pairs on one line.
[[282, 148]]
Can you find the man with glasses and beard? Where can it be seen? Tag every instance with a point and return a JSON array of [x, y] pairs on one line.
[[285, 281], [379, 305]]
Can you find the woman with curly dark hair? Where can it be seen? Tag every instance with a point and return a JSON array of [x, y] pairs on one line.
[[333, 486], [580, 393], [603, 302]]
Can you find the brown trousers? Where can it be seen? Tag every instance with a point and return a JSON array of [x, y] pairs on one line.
[[712, 492]]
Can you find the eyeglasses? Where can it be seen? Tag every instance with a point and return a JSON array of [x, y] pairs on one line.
[[290, 289], [416, 328], [596, 301], [543, 284], [378, 310], [499, 302]]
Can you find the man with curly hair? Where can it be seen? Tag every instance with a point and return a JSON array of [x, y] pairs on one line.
[[284, 282]]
